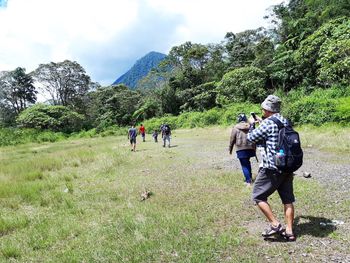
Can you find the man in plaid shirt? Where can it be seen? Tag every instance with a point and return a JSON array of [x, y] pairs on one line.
[[269, 178]]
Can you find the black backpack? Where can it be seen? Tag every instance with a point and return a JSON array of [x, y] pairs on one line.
[[289, 142], [166, 129]]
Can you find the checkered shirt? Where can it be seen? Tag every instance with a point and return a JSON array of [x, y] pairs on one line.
[[266, 138]]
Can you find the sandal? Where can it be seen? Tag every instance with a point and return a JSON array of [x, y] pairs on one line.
[[288, 237], [272, 230]]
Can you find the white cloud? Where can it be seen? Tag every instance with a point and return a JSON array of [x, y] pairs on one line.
[[107, 36]]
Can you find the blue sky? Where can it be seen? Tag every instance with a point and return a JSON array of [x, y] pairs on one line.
[[107, 36], [3, 3]]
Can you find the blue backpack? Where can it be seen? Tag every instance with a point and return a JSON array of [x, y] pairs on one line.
[[289, 142]]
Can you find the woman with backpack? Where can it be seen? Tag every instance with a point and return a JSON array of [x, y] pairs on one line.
[[244, 148]]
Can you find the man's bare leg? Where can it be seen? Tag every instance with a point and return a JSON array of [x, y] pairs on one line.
[[266, 209], [289, 217]]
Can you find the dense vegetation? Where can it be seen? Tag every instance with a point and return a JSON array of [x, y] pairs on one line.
[[304, 57]]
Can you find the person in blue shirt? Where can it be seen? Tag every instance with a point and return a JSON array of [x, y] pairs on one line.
[[132, 134]]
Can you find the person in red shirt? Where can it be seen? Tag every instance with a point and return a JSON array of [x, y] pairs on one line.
[[142, 131]]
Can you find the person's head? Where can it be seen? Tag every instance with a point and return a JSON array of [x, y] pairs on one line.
[[242, 118], [271, 105], [141, 124]]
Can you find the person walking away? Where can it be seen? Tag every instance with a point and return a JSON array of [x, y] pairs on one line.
[[269, 178], [166, 133], [155, 136], [244, 148], [132, 134], [161, 129], [142, 131]]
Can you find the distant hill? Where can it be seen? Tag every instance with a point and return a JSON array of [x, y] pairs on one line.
[[140, 69]]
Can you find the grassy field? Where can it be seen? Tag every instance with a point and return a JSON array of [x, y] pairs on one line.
[[80, 201]]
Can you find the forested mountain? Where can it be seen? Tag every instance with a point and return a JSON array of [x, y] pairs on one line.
[[140, 69]]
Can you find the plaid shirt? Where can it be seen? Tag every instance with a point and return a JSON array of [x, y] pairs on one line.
[[266, 138]]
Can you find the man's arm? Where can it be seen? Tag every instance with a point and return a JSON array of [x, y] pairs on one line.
[[258, 134]]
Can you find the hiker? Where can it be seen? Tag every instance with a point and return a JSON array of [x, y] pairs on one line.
[[166, 132], [244, 148], [155, 136], [132, 133], [269, 178], [161, 129], [142, 131]]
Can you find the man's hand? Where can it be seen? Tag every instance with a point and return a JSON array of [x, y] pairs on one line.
[[251, 120]]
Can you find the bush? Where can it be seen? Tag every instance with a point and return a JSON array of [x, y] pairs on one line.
[[14, 136], [319, 107], [49, 136], [48, 117], [342, 113]]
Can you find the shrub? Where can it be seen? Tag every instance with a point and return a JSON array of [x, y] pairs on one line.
[[342, 113], [48, 117]]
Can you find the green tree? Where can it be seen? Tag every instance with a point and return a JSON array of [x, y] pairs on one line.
[[241, 85], [298, 19], [17, 90], [114, 105], [334, 62], [284, 70], [320, 50], [217, 62], [263, 54], [148, 109], [204, 96], [66, 83], [241, 47]]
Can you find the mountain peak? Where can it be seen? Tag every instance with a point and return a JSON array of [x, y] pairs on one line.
[[140, 69]]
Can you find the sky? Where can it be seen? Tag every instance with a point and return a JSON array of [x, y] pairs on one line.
[[106, 37]]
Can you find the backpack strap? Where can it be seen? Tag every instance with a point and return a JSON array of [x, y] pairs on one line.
[[278, 122]]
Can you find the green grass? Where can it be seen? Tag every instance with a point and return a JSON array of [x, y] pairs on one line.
[[329, 137], [79, 201]]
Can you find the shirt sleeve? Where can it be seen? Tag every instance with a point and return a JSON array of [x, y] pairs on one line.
[[259, 133], [232, 140]]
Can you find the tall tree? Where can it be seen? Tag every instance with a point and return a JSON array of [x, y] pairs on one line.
[[326, 51], [17, 89], [114, 105], [66, 83], [300, 18], [241, 46]]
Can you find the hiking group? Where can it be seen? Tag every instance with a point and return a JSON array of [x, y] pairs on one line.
[[281, 155], [164, 129]]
